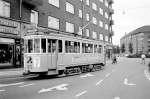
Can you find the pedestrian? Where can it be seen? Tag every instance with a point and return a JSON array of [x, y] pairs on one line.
[[114, 60], [143, 58]]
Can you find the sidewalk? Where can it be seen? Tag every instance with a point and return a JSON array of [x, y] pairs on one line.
[[9, 73]]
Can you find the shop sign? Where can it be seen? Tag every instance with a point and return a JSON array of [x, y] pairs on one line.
[[9, 23], [6, 40], [8, 30]]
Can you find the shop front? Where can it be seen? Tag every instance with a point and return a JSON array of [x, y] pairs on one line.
[[10, 54]]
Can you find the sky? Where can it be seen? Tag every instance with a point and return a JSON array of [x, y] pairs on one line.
[[128, 16]]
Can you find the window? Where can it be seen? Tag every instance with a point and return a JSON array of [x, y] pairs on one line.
[[94, 6], [87, 32], [106, 15], [106, 26], [100, 49], [53, 22], [80, 31], [51, 45], [72, 47], [69, 27], [88, 17], [94, 20], [101, 11], [30, 46], [43, 45], [100, 36], [106, 38], [106, 3], [4, 9], [80, 13], [101, 0], [95, 48], [87, 48], [88, 2], [60, 46], [54, 2], [100, 23], [34, 17], [37, 45], [94, 35], [69, 8]]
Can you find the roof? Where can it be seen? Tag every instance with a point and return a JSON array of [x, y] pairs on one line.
[[143, 29]]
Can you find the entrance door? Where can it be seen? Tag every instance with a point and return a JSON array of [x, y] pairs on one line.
[[52, 53]]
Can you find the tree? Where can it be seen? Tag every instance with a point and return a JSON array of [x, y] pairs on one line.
[[130, 48], [123, 48]]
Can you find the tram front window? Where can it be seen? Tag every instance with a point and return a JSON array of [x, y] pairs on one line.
[[36, 45]]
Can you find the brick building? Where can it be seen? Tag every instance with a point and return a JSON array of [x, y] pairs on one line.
[[91, 19]]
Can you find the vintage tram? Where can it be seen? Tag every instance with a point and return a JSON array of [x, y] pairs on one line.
[[56, 54]]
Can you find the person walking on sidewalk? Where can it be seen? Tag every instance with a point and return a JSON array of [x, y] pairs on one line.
[[143, 58]]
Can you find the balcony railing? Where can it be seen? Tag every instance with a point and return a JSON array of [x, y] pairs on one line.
[[33, 2]]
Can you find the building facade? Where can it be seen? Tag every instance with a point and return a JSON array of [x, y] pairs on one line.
[[137, 41], [91, 19]]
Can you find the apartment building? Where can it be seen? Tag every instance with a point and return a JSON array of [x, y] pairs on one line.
[[137, 41], [91, 19]]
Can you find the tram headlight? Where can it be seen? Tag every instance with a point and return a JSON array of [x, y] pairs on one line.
[[36, 62]]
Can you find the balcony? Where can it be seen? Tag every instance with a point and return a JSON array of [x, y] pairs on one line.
[[111, 22], [110, 1], [33, 2]]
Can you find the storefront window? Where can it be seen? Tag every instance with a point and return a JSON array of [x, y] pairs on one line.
[[36, 45]]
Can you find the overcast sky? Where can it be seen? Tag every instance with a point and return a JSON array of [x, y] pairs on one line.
[[128, 16]]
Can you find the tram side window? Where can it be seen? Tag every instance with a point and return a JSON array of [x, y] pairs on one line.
[[76, 47], [95, 48], [83, 47], [30, 46], [25, 47], [37, 45], [43, 45], [60, 46], [100, 49], [53, 46], [72, 47]]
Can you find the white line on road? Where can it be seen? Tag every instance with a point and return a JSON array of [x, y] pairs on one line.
[[79, 94], [61, 87], [126, 82], [87, 75], [107, 75], [12, 84], [117, 98], [26, 85], [147, 74], [2, 90], [99, 82]]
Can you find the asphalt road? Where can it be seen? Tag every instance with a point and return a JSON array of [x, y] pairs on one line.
[[128, 79]]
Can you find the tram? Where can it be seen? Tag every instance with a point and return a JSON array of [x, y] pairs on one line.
[[57, 54]]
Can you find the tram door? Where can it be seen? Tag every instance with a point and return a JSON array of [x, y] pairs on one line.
[[52, 53]]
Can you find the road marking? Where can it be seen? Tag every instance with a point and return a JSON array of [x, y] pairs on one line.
[[99, 82], [2, 90], [87, 75], [61, 87], [126, 82], [12, 84], [147, 74], [79, 94], [113, 70], [107, 75], [26, 85], [117, 98]]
